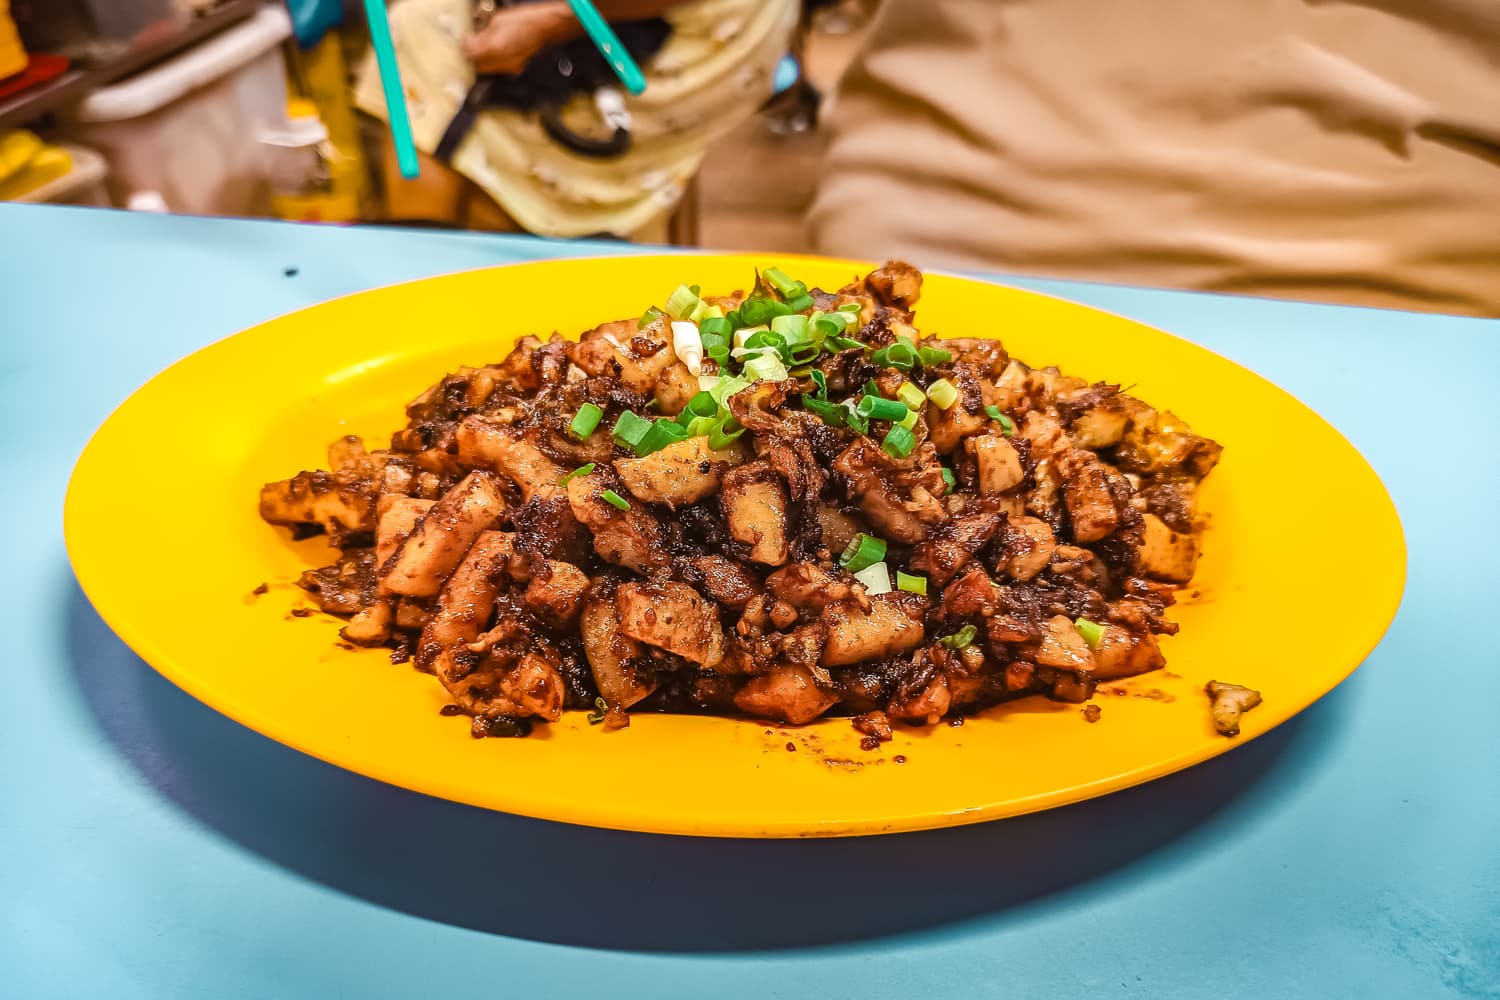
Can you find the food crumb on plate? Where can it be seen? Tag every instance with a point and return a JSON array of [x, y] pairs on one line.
[[1230, 703]]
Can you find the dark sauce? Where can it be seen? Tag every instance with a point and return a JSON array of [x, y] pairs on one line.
[[501, 726]]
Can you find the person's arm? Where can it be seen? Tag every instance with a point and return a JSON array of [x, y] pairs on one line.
[[515, 34]]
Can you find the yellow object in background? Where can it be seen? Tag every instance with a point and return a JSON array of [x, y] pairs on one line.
[[17, 147], [27, 163], [321, 75], [12, 53], [305, 178], [47, 166]]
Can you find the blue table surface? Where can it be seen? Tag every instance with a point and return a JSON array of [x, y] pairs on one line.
[[150, 847]]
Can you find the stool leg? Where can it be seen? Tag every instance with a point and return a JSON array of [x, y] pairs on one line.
[[682, 227]]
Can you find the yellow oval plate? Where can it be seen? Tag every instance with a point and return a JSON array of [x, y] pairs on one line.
[[1303, 569]]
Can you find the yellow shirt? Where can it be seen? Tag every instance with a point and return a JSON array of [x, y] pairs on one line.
[[1345, 151], [713, 72]]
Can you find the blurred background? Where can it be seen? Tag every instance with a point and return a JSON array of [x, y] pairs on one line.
[[1345, 152], [248, 108]]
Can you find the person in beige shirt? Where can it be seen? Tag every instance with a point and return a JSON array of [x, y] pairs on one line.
[[1337, 151], [714, 72]]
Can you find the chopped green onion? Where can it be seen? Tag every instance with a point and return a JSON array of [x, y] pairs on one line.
[[743, 334], [933, 356], [1092, 632], [702, 405], [847, 344], [699, 426], [765, 338], [801, 303], [950, 479], [963, 637], [585, 421], [899, 441], [792, 328], [943, 394], [900, 355], [630, 430], [910, 420], [716, 326], [831, 414], [830, 324], [767, 366], [582, 470], [913, 397], [851, 307], [786, 286], [741, 353], [663, 432], [726, 387], [853, 417], [821, 381], [648, 317], [1007, 425], [716, 347], [755, 311], [721, 436], [733, 316], [877, 408], [863, 550], [696, 290], [670, 428], [910, 583], [876, 578], [682, 302], [615, 500], [703, 311], [601, 709], [804, 353]]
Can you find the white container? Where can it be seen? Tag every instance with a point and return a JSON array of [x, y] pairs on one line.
[[298, 153], [190, 128]]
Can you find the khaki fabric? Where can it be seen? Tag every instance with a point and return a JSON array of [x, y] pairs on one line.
[[1338, 151], [714, 72]]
